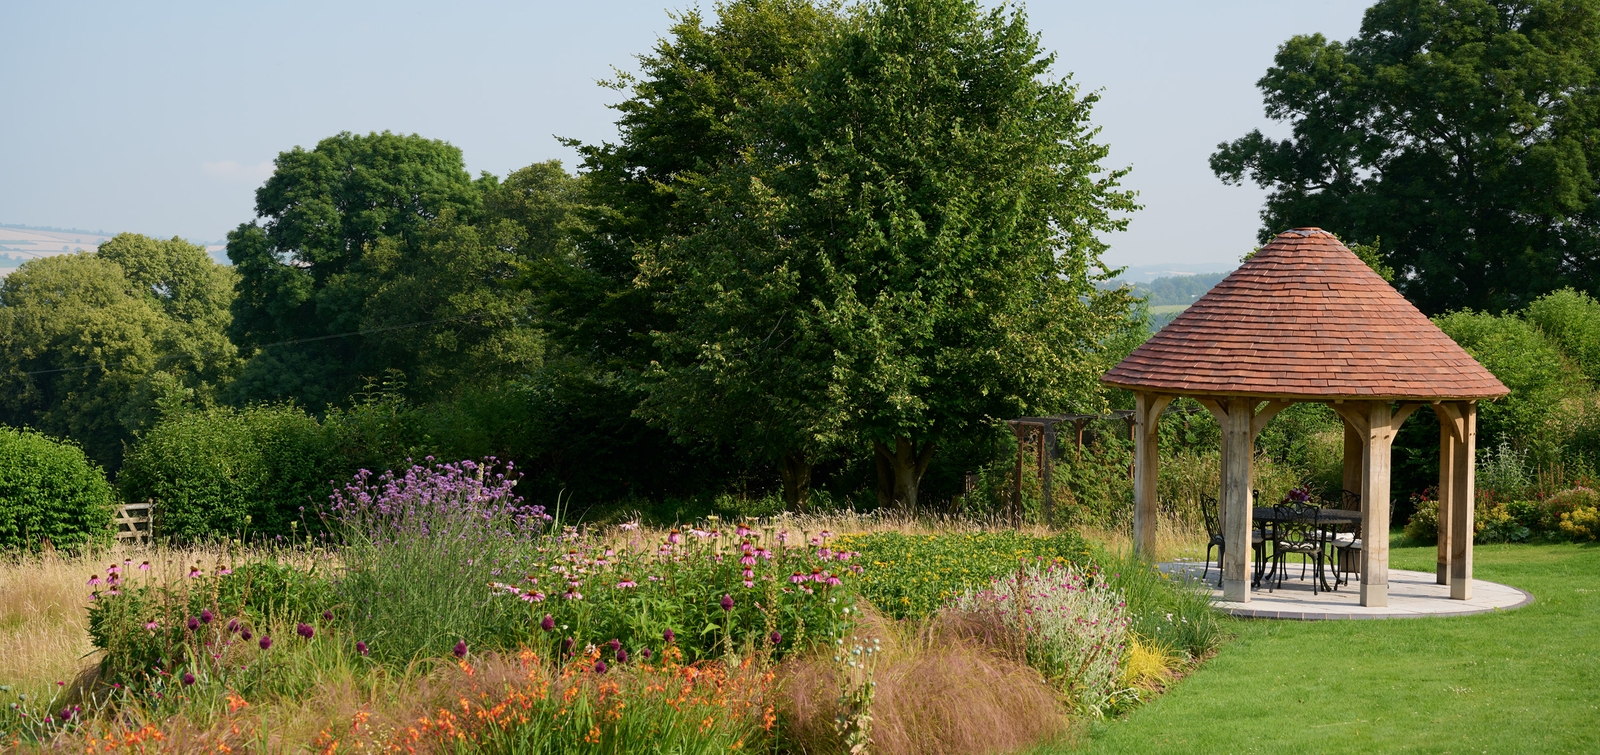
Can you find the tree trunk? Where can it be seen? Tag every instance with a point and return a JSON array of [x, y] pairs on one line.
[[908, 461], [796, 471], [885, 475]]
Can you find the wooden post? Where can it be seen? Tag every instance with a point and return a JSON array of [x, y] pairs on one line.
[[1146, 469], [1352, 459], [1447, 477], [1375, 462], [1236, 437], [1461, 499], [1047, 464], [1016, 482]]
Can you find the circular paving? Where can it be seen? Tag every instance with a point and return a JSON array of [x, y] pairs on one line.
[[1412, 594]]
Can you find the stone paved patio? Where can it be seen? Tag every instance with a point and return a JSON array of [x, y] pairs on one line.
[[1412, 594]]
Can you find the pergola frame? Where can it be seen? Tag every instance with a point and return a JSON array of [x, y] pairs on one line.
[[1371, 423]]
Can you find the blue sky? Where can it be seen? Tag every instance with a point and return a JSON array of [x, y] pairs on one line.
[[162, 118]]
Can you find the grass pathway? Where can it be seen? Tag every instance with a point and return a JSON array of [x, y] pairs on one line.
[[1523, 681]]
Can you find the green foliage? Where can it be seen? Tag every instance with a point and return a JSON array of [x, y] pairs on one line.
[[49, 491], [209, 470], [1174, 616], [915, 575], [1522, 357], [1571, 321], [1462, 132], [95, 346]]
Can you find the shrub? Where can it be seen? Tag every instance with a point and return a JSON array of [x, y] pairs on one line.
[[916, 575], [1581, 524], [209, 470], [1171, 615], [1074, 628], [50, 492], [1551, 510]]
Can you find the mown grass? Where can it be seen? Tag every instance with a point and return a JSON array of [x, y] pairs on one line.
[[1519, 681]]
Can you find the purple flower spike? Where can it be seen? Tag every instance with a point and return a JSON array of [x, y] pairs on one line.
[[645, 654], [266, 642], [727, 602], [233, 626], [622, 655], [668, 635], [188, 679], [566, 645], [599, 667], [361, 648], [193, 623], [776, 637], [460, 649], [206, 616], [327, 616], [245, 635], [305, 630], [549, 623], [615, 644]]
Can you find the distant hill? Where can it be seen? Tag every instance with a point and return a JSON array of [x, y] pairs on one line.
[[1167, 296], [20, 243]]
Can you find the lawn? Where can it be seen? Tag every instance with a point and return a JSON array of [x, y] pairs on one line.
[[1522, 681]]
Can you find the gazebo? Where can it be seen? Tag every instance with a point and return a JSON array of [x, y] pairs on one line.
[[1305, 320]]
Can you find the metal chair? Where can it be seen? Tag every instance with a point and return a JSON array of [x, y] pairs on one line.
[[1296, 531], [1208, 510]]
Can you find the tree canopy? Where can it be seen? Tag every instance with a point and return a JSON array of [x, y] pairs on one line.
[[373, 257], [907, 249], [92, 345], [1465, 133]]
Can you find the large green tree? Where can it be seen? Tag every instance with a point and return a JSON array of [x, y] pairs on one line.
[[1465, 133], [906, 250], [373, 256], [93, 346]]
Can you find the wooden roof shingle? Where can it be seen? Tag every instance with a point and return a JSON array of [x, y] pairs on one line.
[[1305, 318]]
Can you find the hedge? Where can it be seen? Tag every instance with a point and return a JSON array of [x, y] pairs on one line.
[[50, 492]]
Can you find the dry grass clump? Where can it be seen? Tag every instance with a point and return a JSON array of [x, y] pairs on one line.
[[44, 620], [951, 685]]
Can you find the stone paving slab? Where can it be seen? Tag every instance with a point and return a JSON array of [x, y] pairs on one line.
[[1412, 594]]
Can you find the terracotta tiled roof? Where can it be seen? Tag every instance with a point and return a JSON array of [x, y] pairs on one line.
[[1305, 318]]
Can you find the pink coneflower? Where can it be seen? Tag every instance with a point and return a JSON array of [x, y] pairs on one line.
[[833, 580], [824, 534], [825, 554], [628, 526], [94, 581], [626, 583], [572, 594], [764, 553], [194, 571], [674, 537], [305, 630], [152, 625], [798, 577], [816, 574], [748, 574], [460, 650], [225, 571], [113, 570], [533, 597], [742, 530], [144, 566], [748, 559], [749, 583]]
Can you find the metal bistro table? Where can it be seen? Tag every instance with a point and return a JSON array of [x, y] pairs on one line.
[[1327, 517]]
